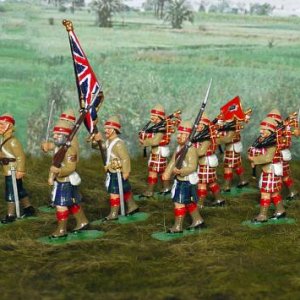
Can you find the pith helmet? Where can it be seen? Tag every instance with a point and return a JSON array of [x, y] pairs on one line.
[[158, 110], [8, 118], [268, 124], [113, 122], [62, 127], [185, 127], [68, 116], [275, 114]]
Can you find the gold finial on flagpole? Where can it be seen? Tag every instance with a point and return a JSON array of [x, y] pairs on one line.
[[68, 24]]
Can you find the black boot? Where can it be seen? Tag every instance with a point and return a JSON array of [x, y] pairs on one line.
[[28, 212], [8, 219]]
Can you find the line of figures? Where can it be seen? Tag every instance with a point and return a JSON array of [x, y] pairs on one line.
[[188, 185]]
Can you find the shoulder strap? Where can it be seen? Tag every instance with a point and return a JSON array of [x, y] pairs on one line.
[[4, 142]]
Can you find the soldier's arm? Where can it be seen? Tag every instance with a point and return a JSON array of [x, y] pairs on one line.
[[154, 141], [203, 147], [264, 158], [191, 160], [17, 151], [225, 137], [69, 163], [169, 169], [122, 152]]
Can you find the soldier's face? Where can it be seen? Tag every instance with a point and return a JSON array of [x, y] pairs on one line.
[[200, 127], [109, 132], [182, 138], [154, 119], [4, 127], [265, 133], [59, 139]]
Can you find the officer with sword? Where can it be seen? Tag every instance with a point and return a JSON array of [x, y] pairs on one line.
[[12, 158]]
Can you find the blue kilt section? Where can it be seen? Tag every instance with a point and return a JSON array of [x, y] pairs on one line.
[[113, 187], [9, 191], [185, 192], [66, 194]]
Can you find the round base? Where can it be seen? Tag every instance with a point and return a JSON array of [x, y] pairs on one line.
[[156, 196], [251, 224], [47, 209], [83, 235], [19, 220], [238, 191], [165, 237], [137, 217]]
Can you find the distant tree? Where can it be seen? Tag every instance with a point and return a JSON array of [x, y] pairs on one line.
[[105, 10], [177, 12], [261, 9], [202, 6]]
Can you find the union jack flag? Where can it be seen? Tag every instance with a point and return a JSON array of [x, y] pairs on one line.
[[87, 83]]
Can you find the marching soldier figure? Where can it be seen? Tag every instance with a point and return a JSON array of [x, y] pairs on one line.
[[159, 152], [66, 195], [184, 191], [271, 178], [205, 143], [118, 161], [285, 145], [229, 123], [12, 157]]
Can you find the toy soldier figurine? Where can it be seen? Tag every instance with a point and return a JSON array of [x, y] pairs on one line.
[[229, 122], [12, 157], [67, 197], [68, 116], [270, 159], [117, 163], [159, 151], [205, 143], [184, 191], [285, 145]]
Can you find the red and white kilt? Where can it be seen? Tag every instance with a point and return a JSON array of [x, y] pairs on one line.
[[270, 183], [157, 163], [207, 174], [232, 159], [286, 168]]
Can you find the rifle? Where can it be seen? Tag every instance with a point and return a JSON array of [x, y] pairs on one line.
[[60, 154], [182, 153], [202, 135]]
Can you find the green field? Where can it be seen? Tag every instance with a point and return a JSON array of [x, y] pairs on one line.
[[142, 61]]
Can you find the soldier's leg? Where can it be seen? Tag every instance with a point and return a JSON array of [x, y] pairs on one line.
[[202, 193], [114, 207], [81, 220], [280, 211], [265, 202], [179, 213], [228, 176], [9, 197], [152, 181], [197, 220], [28, 209], [132, 207], [289, 183], [242, 181], [62, 215], [215, 189]]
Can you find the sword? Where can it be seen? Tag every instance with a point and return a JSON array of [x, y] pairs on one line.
[[49, 120], [121, 192], [15, 190]]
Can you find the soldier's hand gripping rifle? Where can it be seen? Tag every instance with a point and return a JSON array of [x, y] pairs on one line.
[[60, 154], [182, 153]]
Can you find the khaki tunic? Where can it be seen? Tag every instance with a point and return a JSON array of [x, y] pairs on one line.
[[265, 159], [69, 164], [201, 152], [119, 154], [189, 165], [12, 149], [154, 142], [229, 139]]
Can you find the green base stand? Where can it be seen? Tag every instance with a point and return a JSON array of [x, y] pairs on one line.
[[19, 220], [47, 209], [237, 191], [137, 217], [251, 224], [156, 196], [165, 237], [84, 235]]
